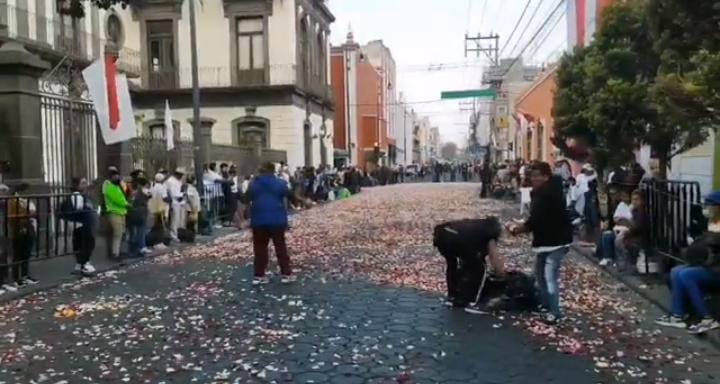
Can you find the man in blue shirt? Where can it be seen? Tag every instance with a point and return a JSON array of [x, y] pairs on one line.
[[269, 221]]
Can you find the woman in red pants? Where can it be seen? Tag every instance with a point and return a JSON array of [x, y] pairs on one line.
[[269, 221]]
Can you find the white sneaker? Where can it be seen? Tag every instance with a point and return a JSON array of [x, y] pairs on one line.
[[146, 251], [78, 268], [2, 291], [10, 287], [703, 326], [287, 279], [261, 280], [88, 268], [160, 247], [474, 309], [604, 262]]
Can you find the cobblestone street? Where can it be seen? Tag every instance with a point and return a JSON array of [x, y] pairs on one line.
[[366, 309]]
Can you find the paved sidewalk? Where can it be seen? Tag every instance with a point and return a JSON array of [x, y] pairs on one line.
[[52, 272]]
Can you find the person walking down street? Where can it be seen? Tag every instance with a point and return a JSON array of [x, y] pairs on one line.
[[485, 179], [269, 221], [22, 233], [80, 215], [116, 208], [137, 218], [552, 235]]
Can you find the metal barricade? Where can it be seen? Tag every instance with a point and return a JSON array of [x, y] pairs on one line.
[[219, 203]]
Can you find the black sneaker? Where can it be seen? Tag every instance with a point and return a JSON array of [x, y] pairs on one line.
[[449, 301], [671, 321]]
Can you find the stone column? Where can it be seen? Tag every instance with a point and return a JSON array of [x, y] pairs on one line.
[[206, 125], [21, 144]]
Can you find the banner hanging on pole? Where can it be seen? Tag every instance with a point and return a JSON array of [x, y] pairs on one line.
[[113, 107]]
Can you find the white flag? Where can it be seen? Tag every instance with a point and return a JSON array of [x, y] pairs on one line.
[[169, 131], [523, 124], [96, 80]]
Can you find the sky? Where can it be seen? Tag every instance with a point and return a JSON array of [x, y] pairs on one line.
[[421, 33]]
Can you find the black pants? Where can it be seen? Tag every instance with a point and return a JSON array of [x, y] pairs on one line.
[[83, 244], [22, 250], [464, 273]]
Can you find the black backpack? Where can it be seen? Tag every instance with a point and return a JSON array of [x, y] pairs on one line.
[[68, 212]]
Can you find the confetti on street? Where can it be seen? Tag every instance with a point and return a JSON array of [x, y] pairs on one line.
[[366, 309]]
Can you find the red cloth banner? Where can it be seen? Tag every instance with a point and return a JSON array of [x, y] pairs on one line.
[[112, 93]]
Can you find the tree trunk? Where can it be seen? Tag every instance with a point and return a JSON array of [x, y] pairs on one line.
[[663, 162]]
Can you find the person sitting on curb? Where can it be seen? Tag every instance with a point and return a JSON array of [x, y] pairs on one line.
[[702, 272], [611, 247]]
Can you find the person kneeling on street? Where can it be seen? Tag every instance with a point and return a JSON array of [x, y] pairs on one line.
[[465, 244]]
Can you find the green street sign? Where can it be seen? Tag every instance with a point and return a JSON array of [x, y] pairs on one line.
[[469, 94]]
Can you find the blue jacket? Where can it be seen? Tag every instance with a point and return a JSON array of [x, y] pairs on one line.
[[267, 202]]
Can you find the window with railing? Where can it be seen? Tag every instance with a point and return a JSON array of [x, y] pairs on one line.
[[251, 54], [161, 54]]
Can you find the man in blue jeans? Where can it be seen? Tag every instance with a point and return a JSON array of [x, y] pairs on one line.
[[551, 229], [688, 282]]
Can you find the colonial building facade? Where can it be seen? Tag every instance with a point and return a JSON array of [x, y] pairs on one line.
[[47, 123], [263, 70]]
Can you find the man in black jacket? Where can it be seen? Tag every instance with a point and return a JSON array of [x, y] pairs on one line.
[[552, 235], [465, 244]]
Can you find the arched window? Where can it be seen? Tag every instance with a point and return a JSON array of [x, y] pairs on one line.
[[251, 130], [252, 136]]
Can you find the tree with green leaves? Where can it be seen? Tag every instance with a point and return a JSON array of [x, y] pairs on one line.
[[611, 95], [686, 35]]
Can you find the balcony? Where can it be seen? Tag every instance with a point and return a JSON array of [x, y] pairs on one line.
[[223, 77], [54, 41]]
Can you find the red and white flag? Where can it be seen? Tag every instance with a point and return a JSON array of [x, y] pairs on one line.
[[110, 95]]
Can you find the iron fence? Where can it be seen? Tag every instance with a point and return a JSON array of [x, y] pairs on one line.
[[673, 208], [31, 229], [69, 139]]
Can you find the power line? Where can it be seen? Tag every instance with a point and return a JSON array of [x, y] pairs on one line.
[[517, 24], [482, 15], [539, 42], [535, 36], [527, 26], [469, 16]]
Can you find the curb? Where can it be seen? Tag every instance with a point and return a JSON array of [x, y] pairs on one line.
[[126, 263], [712, 337]]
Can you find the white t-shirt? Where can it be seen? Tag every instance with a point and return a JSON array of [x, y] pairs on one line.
[[174, 186]]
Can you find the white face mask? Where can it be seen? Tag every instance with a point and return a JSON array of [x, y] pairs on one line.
[[706, 212]]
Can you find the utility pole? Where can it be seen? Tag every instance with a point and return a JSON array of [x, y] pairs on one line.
[[489, 45], [199, 152]]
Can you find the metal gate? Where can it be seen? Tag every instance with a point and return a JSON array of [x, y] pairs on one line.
[[69, 123]]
